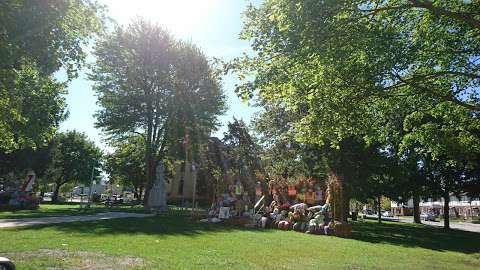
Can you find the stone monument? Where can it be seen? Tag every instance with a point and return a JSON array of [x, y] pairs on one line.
[[157, 199], [27, 185]]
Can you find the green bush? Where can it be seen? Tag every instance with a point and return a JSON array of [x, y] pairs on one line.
[[96, 197]]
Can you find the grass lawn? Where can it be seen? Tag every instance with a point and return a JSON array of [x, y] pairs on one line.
[[49, 210], [177, 243]]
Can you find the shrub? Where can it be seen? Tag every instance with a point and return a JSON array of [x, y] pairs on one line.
[[5, 197], [96, 197]]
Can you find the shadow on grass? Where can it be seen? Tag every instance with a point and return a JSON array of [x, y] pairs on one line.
[[55, 212], [155, 225], [74, 210], [413, 235], [399, 234]]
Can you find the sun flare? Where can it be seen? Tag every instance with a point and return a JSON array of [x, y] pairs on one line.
[[179, 16]]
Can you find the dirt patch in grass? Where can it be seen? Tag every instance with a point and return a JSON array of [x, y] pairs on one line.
[[60, 259]]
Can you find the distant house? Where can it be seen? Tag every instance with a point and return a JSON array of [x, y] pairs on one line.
[[98, 187], [182, 185], [459, 207], [78, 190], [402, 209]]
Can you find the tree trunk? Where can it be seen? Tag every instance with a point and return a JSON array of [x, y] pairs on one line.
[[56, 191], [140, 194], [135, 193], [346, 206], [416, 208], [379, 208], [446, 211], [149, 152], [147, 191], [335, 197]]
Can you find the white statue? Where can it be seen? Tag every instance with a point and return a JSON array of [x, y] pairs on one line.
[[157, 198]]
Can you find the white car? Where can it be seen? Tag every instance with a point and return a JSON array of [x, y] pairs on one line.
[[428, 217], [387, 214], [6, 264]]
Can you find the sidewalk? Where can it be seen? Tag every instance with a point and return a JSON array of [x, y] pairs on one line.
[[464, 226], [9, 223]]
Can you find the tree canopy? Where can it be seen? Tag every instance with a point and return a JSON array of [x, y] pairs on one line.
[[37, 39], [241, 149], [339, 62], [127, 164], [152, 85], [397, 75], [74, 159]]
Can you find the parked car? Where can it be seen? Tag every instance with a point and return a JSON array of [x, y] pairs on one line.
[[367, 212], [6, 264], [114, 200], [387, 214], [48, 194], [428, 217]]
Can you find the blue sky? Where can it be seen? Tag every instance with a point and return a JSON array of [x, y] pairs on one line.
[[214, 25]]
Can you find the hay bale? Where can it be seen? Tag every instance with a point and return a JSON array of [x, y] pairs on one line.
[[342, 229]]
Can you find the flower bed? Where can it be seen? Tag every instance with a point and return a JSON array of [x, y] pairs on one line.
[[18, 201]]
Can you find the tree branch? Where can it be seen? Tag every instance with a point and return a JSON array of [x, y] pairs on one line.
[[469, 106], [139, 133], [374, 11], [416, 78], [437, 11], [449, 97]]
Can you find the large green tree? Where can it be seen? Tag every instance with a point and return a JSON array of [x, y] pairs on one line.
[[37, 39], [355, 69], [336, 59], [241, 149], [126, 164], [242, 155], [74, 159], [152, 85], [281, 154], [212, 169], [370, 169], [446, 138]]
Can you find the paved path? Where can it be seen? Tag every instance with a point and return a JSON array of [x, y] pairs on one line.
[[8, 223], [464, 226]]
